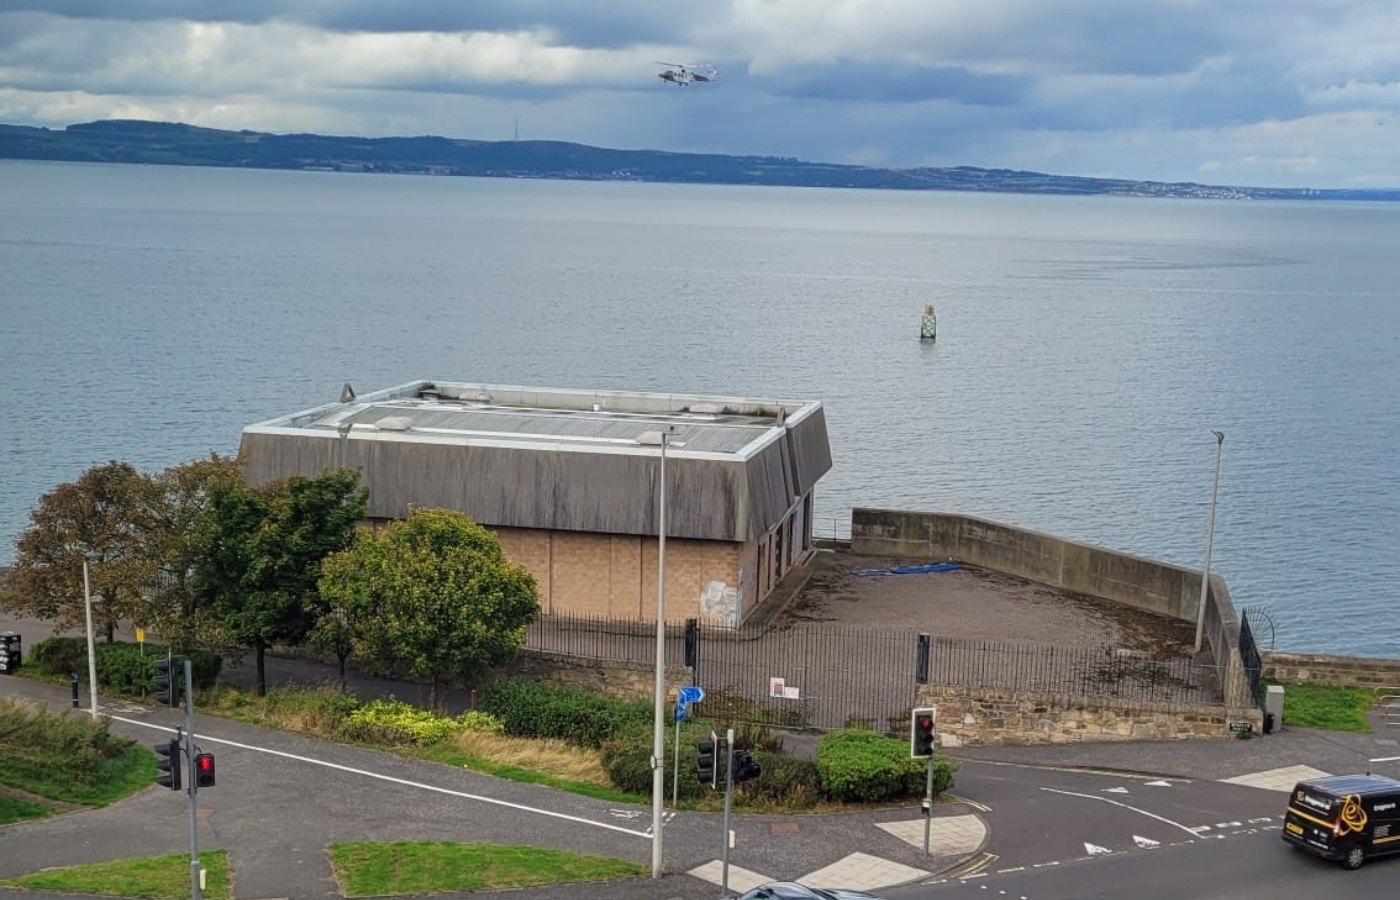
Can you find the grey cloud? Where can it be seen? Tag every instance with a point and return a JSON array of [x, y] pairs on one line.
[[895, 82], [581, 23]]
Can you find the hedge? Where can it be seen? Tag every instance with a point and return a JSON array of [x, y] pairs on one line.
[[122, 667], [543, 709], [864, 766]]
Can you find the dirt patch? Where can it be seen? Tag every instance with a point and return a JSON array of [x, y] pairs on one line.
[[979, 605]]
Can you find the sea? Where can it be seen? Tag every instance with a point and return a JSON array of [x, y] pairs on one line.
[[1086, 346]]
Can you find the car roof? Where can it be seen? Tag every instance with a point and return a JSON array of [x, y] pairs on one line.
[[1340, 785]]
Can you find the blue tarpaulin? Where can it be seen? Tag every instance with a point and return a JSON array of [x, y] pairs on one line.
[[907, 570]]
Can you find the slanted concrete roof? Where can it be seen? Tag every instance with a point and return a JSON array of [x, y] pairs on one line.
[[558, 458]]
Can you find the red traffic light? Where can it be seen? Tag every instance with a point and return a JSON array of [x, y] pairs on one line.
[[204, 769]]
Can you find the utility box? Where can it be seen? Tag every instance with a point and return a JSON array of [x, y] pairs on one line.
[[9, 652], [1273, 708]]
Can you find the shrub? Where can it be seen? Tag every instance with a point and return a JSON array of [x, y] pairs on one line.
[[396, 722], [627, 760], [864, 766], [318, 710], [68, 757], [542, 709], [480, 722], [122, 667], [784, 780]]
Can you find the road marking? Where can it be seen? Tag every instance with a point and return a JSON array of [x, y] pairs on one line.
[[1115, 790], [1110, 773], [980, 807], [1260, 820], [1144, 812], [1159, 784], [1146, 843], [404, 781], [1012, 869], [1095, 849]]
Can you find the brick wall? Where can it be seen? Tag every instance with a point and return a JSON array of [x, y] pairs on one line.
[[969, 717], [624, 680], [1318, 668], [614, 576]]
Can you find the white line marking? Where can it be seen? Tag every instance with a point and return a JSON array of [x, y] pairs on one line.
[[1159, 784], [1012, 869], [1145, 843], [1115, 790], [1095, 849], [1199, 829], [1387, 759], [1144, 812], [403, 781], [1261, 819]]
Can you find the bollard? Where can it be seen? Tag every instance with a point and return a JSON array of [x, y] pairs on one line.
[[73, 681]]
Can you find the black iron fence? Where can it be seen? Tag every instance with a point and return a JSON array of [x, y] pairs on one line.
[[821, 676], [1104, 672], [1249, 655]]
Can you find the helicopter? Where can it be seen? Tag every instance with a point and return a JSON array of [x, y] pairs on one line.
[[682, 74]]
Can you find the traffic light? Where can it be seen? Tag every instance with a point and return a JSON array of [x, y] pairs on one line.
[[705, 762], [745, 768], [204, 770], [921, 732], [166, 684], [168, 764]]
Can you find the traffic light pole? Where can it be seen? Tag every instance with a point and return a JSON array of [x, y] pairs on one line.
[[195, 891], [728, 797], [928, 800]]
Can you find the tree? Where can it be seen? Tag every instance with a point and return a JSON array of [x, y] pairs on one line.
[[432, 597], [260, 557], [100, 518], [174, 528]]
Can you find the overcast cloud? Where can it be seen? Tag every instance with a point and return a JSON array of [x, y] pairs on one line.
[[1283, 92]]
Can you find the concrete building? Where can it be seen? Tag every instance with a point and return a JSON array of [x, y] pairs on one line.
[[566, 480]]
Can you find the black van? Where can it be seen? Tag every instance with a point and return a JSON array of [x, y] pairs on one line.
[[1345, 817]]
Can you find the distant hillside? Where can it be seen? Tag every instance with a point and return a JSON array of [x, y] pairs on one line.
[[127, 141]]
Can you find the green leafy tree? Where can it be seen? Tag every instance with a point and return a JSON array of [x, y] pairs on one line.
[[261, 555], [100, 518], [174, 529], [432, 597]]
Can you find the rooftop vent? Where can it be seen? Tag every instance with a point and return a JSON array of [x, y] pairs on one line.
[[394, 423], [429, 393], [347, 393], [483, 397]]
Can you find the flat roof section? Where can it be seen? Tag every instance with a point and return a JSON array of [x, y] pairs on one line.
[[598, 421]]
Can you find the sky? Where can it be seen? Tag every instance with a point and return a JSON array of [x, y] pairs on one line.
[[1288, 93]]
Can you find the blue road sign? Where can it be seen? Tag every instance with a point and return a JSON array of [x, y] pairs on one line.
[[691, 693]]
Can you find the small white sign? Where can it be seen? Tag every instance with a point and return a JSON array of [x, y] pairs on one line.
[[731, 839], [776, 686], [790, 693]]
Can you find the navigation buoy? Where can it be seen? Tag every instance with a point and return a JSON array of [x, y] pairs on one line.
[[928, 327]]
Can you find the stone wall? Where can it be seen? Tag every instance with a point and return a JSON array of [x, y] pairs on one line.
[[972, 717], [623, 680], [1346, 671]]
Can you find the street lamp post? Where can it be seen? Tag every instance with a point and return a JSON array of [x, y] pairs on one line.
[[1210, 540], [658, 743], [91, 646]]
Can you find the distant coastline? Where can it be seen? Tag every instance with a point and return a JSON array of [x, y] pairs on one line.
[[165, 143]]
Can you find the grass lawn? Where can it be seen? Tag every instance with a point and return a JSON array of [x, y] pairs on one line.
[[16, 810], [368, 869], [1326, 706], [154, 877]]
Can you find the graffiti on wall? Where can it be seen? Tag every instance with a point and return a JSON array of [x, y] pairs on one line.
[[720, 604]]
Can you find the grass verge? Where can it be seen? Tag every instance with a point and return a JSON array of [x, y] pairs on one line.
[[12, 809], [370, 869], [68, 757], [1326, 706], [321, 712], [152, 877]]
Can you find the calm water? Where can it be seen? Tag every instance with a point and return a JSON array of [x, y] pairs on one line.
[[1086, 346]]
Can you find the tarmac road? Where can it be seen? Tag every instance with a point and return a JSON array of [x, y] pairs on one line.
[[1241, 867]]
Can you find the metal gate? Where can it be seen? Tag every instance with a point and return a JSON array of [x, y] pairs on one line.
[[1249, 655]]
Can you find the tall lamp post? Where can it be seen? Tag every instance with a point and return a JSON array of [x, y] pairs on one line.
[[661, 438], [1210, 540]]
